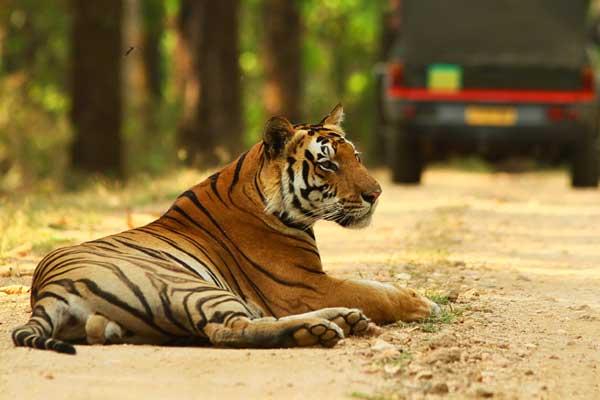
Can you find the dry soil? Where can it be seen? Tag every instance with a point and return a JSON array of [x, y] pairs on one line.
[[517, 255]]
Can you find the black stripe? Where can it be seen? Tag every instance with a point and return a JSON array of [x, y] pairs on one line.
[[193, 242], [205, 252], [196, 202], [213, 184], [150, 252], [305, 172], [296, 203], [236, 174], [166, 301], [52, 295], [40, 270], [310, 270], [218, 303], [117, 302], [220, 317], [40, 312], [135, 289], [258, 292], [291, 175], [273, 229], [103, 241], [216, 280], [309, 156], [287, 221], [256, 185], [187, 309]]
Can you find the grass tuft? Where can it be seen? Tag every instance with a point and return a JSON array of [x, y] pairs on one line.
[[439, 298], [365, 396], [447, 315]]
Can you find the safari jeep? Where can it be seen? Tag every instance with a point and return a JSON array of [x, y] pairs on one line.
[[495, 78]]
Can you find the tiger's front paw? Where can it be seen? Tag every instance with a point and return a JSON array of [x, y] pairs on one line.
[[319, 331], [411, 306], [352, 321], [435, 308]]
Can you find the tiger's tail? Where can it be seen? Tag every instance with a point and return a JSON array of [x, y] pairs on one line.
[[29, 335], [38, 331]]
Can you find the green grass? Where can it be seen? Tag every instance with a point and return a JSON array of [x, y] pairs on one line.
[[400, 360], [447, 315], [48, 219], [365, 396], [439, 298]]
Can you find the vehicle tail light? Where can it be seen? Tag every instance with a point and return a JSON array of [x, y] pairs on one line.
[[587, 79], [556, 113], [572, 114], [409, 112], [396, 74]]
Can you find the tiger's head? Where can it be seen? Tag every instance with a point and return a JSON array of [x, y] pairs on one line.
[[316, 173]]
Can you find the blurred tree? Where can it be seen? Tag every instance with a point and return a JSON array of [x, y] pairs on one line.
[[153, 13], [340, 51], [96, 86], [391, 19], [33, 97], [282, 51], [210, 127], [391, 24], [143, 28]]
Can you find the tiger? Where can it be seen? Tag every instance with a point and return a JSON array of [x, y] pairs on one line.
[[232, 263]]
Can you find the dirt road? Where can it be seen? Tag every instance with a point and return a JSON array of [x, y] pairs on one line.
[[516, 257]]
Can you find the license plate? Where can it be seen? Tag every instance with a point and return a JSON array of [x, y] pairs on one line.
[[490, 116], [444, 78]]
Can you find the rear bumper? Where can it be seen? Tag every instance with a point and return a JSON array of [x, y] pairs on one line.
[[447, 121]]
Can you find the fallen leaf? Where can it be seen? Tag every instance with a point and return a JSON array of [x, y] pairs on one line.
[[20, 251], [15, 289]]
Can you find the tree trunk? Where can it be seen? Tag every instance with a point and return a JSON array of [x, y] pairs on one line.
[[153, 12], [210, 128], [283, 58], [390, 27], [143, 26], [96, 86]]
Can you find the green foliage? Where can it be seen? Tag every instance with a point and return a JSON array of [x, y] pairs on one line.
[[439, 298], [33, 99], [36, 40], [32, 137], [447, 315], [365, 396], [252, 71], [340, 46]]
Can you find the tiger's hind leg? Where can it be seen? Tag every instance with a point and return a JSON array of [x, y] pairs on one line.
[[351, 320], [273, 333]]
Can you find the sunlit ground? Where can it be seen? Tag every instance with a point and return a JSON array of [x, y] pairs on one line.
[[522, 250]]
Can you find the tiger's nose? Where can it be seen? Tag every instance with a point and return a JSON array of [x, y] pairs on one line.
[[370, 197]]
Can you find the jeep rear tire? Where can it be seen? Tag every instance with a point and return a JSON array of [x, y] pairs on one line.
[[406, 160], [584, 162]]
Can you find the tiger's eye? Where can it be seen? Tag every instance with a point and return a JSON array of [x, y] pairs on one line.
[[328, 165]]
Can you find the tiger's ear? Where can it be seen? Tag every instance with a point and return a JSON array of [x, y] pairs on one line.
[[335, 117], [278, 132]]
